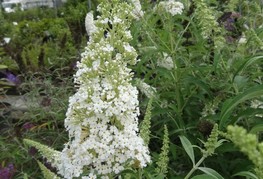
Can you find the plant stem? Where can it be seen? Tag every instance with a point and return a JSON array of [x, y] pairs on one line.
[[179, 105], [176, 76], [148, 28], [140, 174], [195, 167]]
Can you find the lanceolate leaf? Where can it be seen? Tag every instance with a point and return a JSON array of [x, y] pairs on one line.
[[229, 105], [246, 64], [188, 147], [211, 172], [203, 176], [257, 128], [199, 83], [246, 174]]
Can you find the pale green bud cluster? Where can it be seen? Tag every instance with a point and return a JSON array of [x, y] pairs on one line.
[[257, 42], [162, 164], [249, 145], [146, 124], [208, 23], [212, 142], [206, 18]]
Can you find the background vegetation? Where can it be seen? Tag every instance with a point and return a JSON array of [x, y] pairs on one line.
[[216, 78]]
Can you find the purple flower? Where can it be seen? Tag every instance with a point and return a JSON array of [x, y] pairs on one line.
[[32, 151], [229, 20], [12, 78], [7, 172], [28, 126]]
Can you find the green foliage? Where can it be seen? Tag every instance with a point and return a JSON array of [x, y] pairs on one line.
[[42, 119], [207, 84], [210, 145], [227, 107], [45, 94], [232, 5], [6, 27], [246, 174], [49, 44], [74, 13], [43, 41], [210, 172], [188, 147], [33, 14]]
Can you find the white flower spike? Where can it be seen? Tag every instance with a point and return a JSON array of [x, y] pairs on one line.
[[102, 118]]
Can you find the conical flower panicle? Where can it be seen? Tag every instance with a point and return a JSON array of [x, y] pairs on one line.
[[212, 142], [50, 154], [102, 118], [162, 163], [46, 172], [208, 24], [146, 124]]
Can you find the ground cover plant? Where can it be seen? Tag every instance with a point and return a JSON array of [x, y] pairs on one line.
[[163, 89]]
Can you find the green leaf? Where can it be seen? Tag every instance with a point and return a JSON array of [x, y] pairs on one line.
[[210, 172], [246, 174], [257, 128], [240, 81], [246, 64], [147, 175], [188, 147], [227, 147], [203, 176], [230, 104], [127, 173], [173, 150], [3, 67], [160, 176], [25, 176], [199, 83], [246, 113]]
